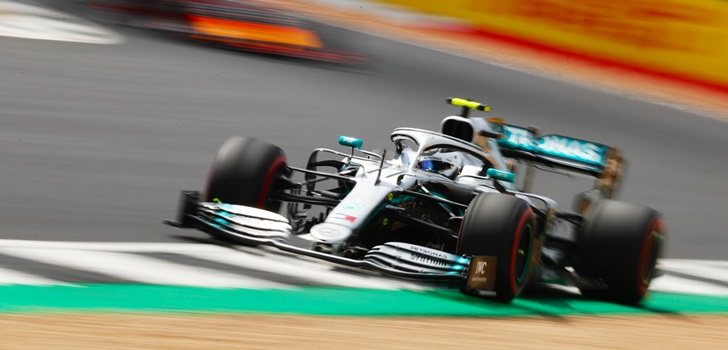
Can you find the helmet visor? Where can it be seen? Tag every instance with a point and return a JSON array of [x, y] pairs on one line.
[[433, 165]]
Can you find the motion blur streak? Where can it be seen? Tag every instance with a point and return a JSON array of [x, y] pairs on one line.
[[225, 28], [246, 25]]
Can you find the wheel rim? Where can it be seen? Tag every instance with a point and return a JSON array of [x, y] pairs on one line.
[[648, 259], [270, 176], [523, 252]]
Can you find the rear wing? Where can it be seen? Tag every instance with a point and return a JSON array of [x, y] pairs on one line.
[[558, 150], [603, 162], [563, 152]]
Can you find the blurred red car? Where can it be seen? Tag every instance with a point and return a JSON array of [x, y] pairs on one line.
[[248, 25]]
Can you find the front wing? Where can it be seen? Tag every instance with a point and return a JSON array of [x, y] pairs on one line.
[[254, 226]]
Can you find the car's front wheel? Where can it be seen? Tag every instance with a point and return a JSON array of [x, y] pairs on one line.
[[244, 172], [500, 228]]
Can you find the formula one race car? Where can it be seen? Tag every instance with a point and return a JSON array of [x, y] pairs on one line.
[[248, 25], [445, 207]]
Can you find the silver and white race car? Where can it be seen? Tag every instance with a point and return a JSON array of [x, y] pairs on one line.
[[445, 207]]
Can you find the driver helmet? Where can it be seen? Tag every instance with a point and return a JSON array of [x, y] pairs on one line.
[[448, 163]]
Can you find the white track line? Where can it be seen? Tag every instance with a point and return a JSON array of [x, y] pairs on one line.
[[674, 284], [17, 277], [695, 269], [313, 272], [310, 262], [707, 263], [110, 258], [29, 21], [140, 268], [128, 247], [272, 262]]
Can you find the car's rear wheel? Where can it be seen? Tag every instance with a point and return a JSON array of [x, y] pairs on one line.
[[244, 172], [503, 227], [618, 245]]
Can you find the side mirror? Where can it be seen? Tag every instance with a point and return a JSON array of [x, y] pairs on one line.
[[501, 175], [352, 142]]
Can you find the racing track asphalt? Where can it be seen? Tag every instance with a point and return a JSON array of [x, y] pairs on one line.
[[96, 140]]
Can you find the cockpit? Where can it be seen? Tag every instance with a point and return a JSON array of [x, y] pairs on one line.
[[441, 154]]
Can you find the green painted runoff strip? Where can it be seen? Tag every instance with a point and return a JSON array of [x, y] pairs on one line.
[[327, 301]]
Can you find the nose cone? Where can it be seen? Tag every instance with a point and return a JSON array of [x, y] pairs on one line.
[[330, 233]]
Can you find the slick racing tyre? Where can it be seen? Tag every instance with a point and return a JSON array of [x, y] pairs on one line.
[[500, 226], [244, 172], [618, 245]]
